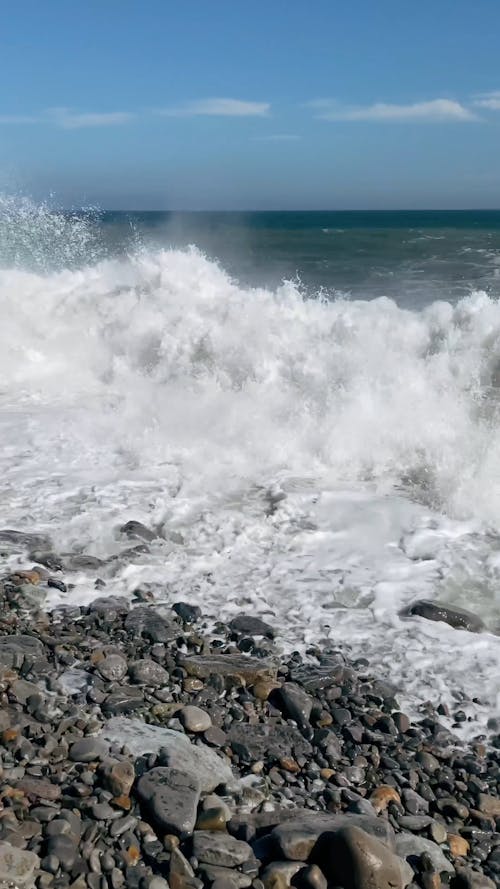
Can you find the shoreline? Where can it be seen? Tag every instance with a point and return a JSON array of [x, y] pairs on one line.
[[321, 780]]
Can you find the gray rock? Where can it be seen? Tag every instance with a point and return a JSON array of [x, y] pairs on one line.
[[295, 703], [356, 860], [470, 879], [144, 621], [297, 837], [172, 798], [24, 690], [231, 878], [177, 751], [411, 847], [247, 625], [243, 669], [194, 719], [148, 672], [158, 883], [88, 750], [189, 614], [455, 617], [17, 866], [113, 667], [16, 651], [123, 700], [267, 740], [221, 849], [138, 531], [279, 874], [26, 541], [109, 605], [65, 849]]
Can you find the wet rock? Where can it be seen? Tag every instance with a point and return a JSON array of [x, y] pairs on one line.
[[146, 622], [357, 860], [109, 606], [225, 877], [297, 837], [490, 805], [267, 740], [65, 849], [279, 874], [211, 819], [245, 669], [221, 849], [123, 700], [18, 651], [455, 617], [148, 672], [470, 879], [88, 750], [295, 703], [26, 541], [38, 788], [411, 847], [382, 796], [172, 798], [137, 531], [194, 719], [246, 625], [17, 866], [120, 778], [113, 667], [177, 751], [188, 614]]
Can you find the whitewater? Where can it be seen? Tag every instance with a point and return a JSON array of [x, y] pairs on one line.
[[321, 462]]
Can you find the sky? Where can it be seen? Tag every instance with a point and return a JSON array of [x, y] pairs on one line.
[[269, 104]]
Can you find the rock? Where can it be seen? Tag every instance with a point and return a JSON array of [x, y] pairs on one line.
[[295, 703], [181, 873], [357, 860], [64, 848], [221, 849], [138, 531], [38, 788], [147, 672], [88, 750], [146, 622], [411, 847], [457, 618], [194, 719], [120, 778], [211, 819], [267, 741], [172, 798], [247, 625], [177, 751], [490, 805], [459, 847], [123, 700], [188, 614], [244, 669], [382, 796], [279, 874], [470, 879], [17, 651], [24, 690], [113, 667], [297, 837], [108, 606], [225, 877], [26, 541], [17, 866]]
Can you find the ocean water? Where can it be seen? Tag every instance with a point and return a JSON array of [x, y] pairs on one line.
[[305, 405]]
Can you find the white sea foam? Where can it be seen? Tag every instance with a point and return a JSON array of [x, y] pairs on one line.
[[319, 462]]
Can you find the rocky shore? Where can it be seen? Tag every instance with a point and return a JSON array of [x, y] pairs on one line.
[[143, 747]]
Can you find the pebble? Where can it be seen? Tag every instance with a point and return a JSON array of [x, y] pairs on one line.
[[194, 719], [113, 667], [88, 750]]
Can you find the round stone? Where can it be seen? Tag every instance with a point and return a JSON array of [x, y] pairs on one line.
[[88, 750], [194, 719], [113, 667]]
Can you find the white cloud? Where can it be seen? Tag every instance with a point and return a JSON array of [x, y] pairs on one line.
[[488, 100], [433, 110], [218, 108], [71, 120]]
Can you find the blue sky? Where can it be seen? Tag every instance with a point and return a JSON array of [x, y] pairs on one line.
[[231, 104]]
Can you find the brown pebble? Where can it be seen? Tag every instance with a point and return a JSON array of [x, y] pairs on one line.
[[122, 802], [459, 847], [289, 764], [133, 855], [382, 796], [263, 687], [211, 819], [326, 774], [10, 734]]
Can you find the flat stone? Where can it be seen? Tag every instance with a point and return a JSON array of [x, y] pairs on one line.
[[16, 650], [88, 750], [255, 742], [113, 667], [212, 819], [148, 672], [120, 778], [244, 669], [194, 719], [247, 625], [39, 788], [295, 703], [177, 751], [64, 848], [24, 690], [314, 678], [146, 622], [28, 541], [490, 805], [411, 847], [227, 876], [357, 860], [458, 618], [123, 700], [470, 879], [108, 606], [17, 866], [221, 849], [297, 837], [172, 798]]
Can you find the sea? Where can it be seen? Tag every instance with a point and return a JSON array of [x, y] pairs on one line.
[[304, 405]]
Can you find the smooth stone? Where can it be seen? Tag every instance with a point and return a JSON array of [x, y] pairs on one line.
[[458, 618], [279, 874], [247, 625], [108, 606], [244, 669], [267, 741], [88, 750], [121, 777], [24, 690], [158, 883], [65, 849], [39, 788], [123, 700], [146, 622], [17, 866], [189, 614], [221, 849], [148, 672], [172, 797], [297, 837], [295, 703], [490, 805], [311, 877], [211, 819], [470, 879], [194, 719], [137, 531], [212, 801], [113, 667], [234, 879], [411, 847], [357, 860], [15, 650], [19, 538], [177, 751]]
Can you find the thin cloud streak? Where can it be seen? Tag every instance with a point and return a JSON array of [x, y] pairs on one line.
[[425, 112], [490, 100], [218, 108], [70, 120], [277, 137]]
